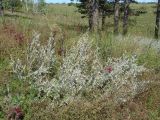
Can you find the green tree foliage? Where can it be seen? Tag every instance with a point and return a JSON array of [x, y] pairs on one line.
[[109, 7], [13, 5], [41, 6], [105, 8], [1, 8], [28, 5], [92, 9]]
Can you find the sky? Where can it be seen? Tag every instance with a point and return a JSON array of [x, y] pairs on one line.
[[67, 1]]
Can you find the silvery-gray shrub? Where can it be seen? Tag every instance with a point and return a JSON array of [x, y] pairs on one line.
[[38, 62], [82, 71]]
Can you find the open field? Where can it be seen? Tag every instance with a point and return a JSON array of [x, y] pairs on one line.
[[78, 55]]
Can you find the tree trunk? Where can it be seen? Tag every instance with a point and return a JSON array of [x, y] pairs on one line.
[[157, 20], [1, 8], [26, 5], [116, 16], [94, 15], [12, 5], [103, 19], [125, 18], [90, 14]]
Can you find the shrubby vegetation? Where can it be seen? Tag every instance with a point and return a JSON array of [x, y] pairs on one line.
[[81, 71], [64, 71], [83, 75]]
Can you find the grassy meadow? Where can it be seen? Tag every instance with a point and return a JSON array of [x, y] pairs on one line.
[[67, 27]]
